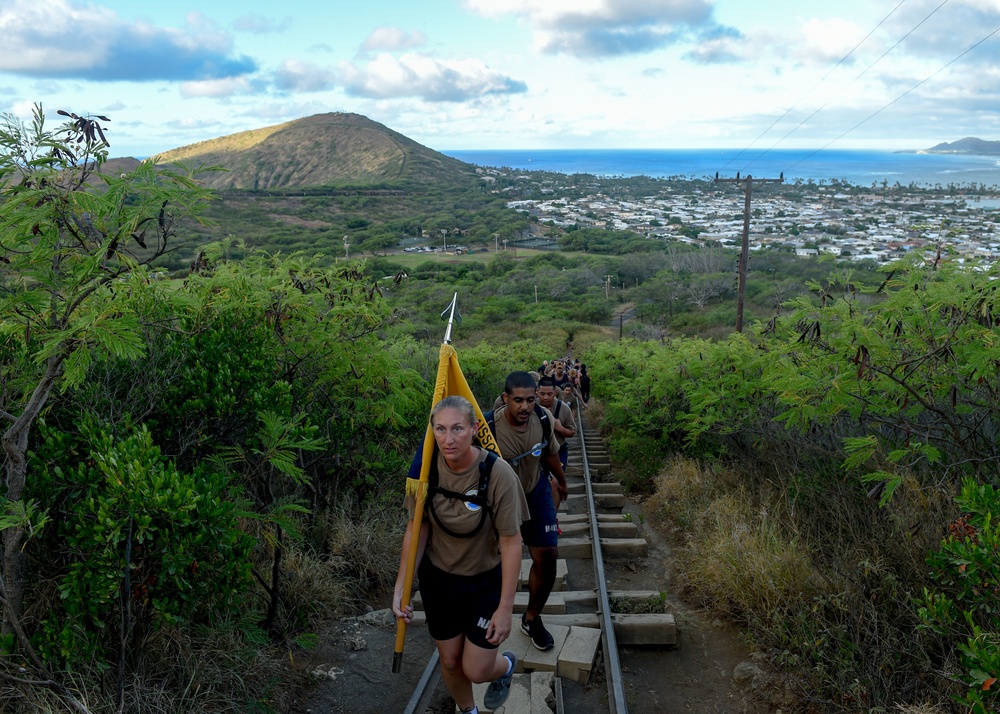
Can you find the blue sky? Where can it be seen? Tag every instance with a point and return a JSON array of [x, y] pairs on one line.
[[496, 74]]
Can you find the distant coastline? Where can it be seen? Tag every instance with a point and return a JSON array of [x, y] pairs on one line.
[[860, 167], [969, 146]]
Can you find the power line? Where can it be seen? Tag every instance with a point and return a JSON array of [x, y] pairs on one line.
[[814, 87], [851, 83], [882, 109]]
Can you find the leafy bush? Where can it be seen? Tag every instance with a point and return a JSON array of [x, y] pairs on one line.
[[896, 388], [964, 607], [138, 542]]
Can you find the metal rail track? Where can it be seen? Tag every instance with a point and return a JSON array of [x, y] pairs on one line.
[[612, 663], [422, 695]]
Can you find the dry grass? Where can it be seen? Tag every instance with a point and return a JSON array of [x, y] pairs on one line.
[[214, 670], [683, 489], [740, 560], [736, 557], [594, 413], [364, 543], [821, 577]]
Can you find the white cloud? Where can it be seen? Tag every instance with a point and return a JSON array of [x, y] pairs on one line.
[[825, 41], [600, 28], [298, 76], [719, 45], [417, 75], [392, 38], [189, 123], [217, 88], [54, 38]]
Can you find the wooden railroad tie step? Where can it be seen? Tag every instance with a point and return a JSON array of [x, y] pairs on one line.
[[601, 500], [585, 518], [529, 694], [582, 547], [600, 488], [653, 629], [561, 572], [608, 530]]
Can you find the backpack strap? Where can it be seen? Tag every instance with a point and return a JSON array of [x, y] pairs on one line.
[[546, 424], [480, 499]]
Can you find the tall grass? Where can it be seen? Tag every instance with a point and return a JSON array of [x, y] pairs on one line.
[[821, 580]]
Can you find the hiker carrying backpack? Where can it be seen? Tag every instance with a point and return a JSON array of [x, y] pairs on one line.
[[467, 568]]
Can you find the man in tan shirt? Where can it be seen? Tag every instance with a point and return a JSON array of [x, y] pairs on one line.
[[525, 444]]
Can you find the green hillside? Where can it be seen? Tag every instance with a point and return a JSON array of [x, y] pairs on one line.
[[334, 150]]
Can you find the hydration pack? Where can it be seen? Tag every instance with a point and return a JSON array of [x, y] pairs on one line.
[[479, 499]]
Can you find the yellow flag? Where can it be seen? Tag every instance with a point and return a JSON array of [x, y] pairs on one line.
[[450, 382]]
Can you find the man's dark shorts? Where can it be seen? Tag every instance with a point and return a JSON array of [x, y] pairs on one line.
[[541, 531], [459, 604]]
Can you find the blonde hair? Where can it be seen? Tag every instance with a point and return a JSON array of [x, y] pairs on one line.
[[456, 402]]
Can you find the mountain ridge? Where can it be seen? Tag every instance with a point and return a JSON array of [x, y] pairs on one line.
[[968, 145], [335, 149]]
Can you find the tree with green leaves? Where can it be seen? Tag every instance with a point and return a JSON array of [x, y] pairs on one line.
[[75, 244]]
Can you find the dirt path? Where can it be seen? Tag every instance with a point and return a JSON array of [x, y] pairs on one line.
[[707, 673], [351, 672]]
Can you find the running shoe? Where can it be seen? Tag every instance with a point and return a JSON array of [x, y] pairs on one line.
[[499, 689], [535, 630]]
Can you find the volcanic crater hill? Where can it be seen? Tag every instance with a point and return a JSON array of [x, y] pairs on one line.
[[968, 145], [330, 150]]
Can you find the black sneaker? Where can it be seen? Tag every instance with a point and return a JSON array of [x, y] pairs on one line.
[[540, 637]]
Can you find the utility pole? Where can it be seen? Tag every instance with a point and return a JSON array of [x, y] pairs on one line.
[[347, 248], [607, 287], [496, 246], [745, 248]]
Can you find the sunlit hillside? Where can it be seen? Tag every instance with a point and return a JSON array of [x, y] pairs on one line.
[[336, 149]]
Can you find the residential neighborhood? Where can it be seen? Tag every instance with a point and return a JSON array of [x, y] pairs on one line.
[[879, 224]]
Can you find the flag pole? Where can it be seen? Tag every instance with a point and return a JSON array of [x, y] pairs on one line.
[[421, 494], [451, 310]]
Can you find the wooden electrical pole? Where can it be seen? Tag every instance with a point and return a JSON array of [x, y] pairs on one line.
[[745, 248]]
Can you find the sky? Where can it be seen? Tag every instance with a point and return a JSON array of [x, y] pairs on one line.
[[516, 74]]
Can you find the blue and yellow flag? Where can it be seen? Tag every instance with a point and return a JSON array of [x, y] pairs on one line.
[[450, 382]]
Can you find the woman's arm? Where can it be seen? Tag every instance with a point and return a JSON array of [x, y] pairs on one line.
[[510, 567], [397, 609]]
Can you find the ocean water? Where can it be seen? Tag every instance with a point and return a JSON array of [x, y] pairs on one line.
[[858, 167]]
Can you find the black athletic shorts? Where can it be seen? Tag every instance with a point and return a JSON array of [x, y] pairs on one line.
[[459, 604]]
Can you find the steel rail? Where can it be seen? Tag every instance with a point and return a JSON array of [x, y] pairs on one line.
[[612, 664], [420, 699]]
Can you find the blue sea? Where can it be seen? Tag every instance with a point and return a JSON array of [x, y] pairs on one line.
[[859, 167]]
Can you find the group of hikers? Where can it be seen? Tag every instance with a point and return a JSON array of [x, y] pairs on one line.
[[480, 510]]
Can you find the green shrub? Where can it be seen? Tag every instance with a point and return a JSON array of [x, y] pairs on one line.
[[131, 529], [964, 608]]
